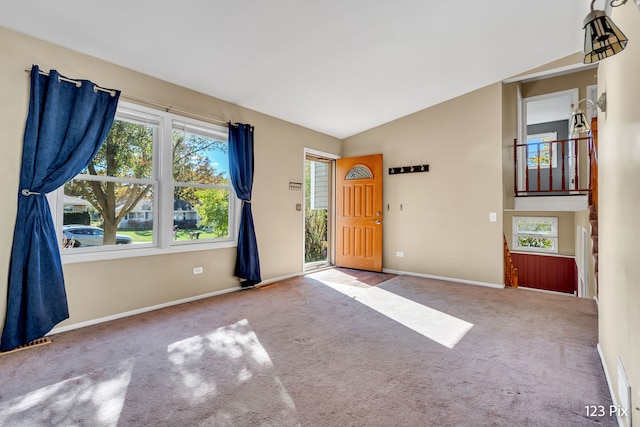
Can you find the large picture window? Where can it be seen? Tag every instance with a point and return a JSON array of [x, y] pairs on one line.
[[159, 182], [538, 234]]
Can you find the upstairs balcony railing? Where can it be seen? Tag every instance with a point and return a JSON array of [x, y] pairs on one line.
[[559, 167]]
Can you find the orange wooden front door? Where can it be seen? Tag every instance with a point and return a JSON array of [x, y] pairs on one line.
[[359, 212]]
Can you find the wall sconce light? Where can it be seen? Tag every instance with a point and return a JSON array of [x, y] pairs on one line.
[[602, 102], [602, 38], [578, 122]]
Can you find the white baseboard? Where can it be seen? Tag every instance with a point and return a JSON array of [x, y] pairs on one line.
[[447, 279], [606, 375], [547, 292], [280, 278], [60, 329], [57, 330]]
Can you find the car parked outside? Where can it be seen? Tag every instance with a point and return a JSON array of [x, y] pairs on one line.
[[85, 235]]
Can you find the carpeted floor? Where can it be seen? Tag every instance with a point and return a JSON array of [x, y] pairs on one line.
[[334, 348]]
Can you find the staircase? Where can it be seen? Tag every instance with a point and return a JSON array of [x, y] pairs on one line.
[[510, 271]]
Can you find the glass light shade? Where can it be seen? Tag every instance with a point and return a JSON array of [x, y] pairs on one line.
[[602, 38], [578, 122]]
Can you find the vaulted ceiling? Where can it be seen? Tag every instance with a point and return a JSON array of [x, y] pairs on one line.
[[338, 67]]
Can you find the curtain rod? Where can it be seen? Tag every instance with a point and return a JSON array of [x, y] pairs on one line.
[[78, 83], [167, 108]]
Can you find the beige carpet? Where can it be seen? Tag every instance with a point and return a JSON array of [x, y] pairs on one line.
[[336, 348]]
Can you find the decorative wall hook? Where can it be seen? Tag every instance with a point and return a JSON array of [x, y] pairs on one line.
[[408, 169]]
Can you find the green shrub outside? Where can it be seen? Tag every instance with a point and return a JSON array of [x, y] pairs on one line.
[[315, 235]]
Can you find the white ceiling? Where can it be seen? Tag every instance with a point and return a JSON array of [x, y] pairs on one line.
[[339, 67]]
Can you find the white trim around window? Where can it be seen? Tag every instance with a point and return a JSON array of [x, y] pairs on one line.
[[535, 234]]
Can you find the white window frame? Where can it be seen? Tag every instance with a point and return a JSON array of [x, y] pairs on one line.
[[163, 198], [553, 236], [219, 132]]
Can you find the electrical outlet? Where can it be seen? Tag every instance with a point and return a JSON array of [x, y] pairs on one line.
[[400, 254], [197, 270]]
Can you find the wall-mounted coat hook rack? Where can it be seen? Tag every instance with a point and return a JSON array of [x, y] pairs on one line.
[[408, 169]]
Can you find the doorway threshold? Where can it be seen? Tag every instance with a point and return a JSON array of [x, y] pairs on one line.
[[312, 267]]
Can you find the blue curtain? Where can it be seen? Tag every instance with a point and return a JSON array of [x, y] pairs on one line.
[[241, 170], [65, 127]]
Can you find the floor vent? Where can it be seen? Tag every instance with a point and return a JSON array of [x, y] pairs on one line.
[[34, 343]]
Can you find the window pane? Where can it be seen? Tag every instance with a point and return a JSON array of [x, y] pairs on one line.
[[359, 172], [122, 211], [543, 157], [126, 153], [535, 242], [200, 213], [199, 159], [539, 150], [535, 226]]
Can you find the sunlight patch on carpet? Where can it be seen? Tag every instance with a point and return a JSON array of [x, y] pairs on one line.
[[95, 399], [236, 350], [440, 327]]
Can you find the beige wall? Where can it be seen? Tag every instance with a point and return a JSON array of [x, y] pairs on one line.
[[619, 206], [509, 134], [443, 227], [98, 289], [579, 80], [567, 63]]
